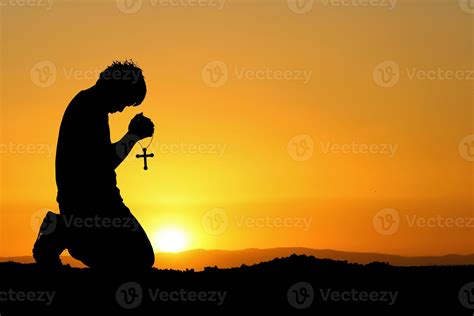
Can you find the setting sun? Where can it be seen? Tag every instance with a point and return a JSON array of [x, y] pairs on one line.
[[170, 240]]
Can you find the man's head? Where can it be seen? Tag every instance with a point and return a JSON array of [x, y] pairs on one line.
[[122, 84]]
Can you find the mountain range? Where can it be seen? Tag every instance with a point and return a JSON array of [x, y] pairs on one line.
[[198, 259]]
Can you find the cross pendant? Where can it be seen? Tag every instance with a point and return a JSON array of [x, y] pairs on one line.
[[145, 156]]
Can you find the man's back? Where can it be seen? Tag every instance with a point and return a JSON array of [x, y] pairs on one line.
[[85, 176]]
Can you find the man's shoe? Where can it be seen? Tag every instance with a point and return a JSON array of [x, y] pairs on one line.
[[49, 243]]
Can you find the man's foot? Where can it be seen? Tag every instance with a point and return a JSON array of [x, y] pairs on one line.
[[49, 244]]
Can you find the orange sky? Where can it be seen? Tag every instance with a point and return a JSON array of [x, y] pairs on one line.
[[314, 73]]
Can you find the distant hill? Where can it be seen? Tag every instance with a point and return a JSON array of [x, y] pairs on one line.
[[199, 259]]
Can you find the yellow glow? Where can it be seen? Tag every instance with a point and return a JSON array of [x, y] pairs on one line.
[[170, 240]]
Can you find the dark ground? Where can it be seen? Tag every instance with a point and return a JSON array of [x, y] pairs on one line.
[[330, 288]]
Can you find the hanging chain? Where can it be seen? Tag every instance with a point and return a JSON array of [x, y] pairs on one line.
[[151, 140]]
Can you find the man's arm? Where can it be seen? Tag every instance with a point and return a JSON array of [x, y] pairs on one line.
[[122, 148], [140, 127]]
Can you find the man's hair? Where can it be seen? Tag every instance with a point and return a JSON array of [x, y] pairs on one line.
[[124, 79]]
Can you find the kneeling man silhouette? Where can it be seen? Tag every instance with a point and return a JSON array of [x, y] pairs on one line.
[[94, 224]]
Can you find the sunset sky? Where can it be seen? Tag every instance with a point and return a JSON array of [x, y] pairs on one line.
[[278, 123]]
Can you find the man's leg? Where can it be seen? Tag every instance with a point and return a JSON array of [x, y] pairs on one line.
[[122, 245], [130, 246]]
